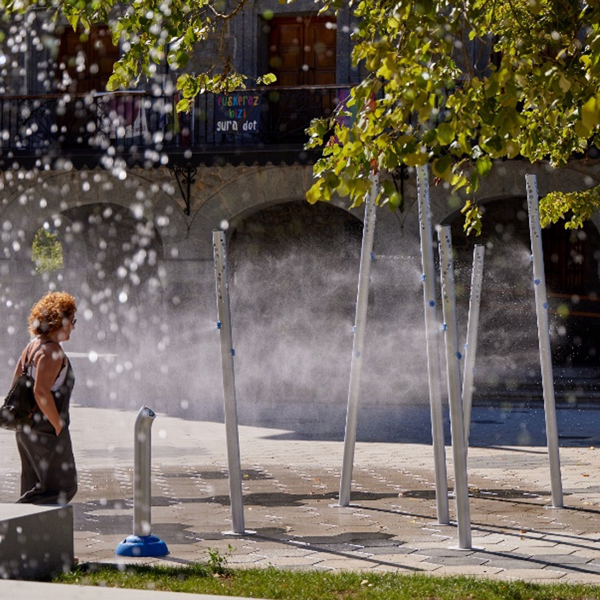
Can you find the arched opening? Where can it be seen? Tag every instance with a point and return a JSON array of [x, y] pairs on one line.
[[111, 265], [293, 276], [508, 343]]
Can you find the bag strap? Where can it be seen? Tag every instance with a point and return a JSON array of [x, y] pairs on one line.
[[27, 363]]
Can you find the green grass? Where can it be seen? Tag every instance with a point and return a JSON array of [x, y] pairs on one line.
[[215, 578]]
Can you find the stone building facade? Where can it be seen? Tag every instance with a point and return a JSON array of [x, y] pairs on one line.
[[136, 238]]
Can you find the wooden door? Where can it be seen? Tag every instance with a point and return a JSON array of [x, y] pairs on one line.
[[566, 258], [88, 61], [302, 50], [88, 58]]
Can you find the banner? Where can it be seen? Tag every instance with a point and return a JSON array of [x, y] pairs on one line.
[[237, 113]]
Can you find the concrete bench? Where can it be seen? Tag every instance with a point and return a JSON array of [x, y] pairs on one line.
[[35, 541]]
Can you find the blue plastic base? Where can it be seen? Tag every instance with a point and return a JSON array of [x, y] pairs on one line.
[[142, 545]]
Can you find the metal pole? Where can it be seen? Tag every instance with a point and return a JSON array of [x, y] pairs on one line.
[[432, 328], [142, 459], [472, 330], [453, 357], [229, 399], [359, 342], [142, 543], [541, 305]]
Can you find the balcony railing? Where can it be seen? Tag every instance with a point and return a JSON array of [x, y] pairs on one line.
[[139, 124]]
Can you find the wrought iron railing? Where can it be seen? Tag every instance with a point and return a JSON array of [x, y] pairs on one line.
[[52, 123]]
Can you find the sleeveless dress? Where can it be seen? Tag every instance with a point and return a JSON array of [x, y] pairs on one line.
[[48, 472]]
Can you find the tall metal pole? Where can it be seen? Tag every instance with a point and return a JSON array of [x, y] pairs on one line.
[[432, 328], [360, 322], [229, 399], [541, 306], [453, 357], [472, 330]]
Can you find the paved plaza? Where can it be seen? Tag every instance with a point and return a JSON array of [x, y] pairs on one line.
[[291, 486]]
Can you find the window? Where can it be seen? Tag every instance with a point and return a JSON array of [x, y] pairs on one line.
[[302, 50], [88, 59]]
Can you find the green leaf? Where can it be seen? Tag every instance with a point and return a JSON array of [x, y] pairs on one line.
[[73, 20], [183, 105], [314, 193], [483, 165], [442, 167], [590, 112], [395, 201], [388, 187], [445, 134], [472, 218], [267, 79]]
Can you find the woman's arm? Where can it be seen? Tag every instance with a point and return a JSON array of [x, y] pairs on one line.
[[20, 363], [48, 363]]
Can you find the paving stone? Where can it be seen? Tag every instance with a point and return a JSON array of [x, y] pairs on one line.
[[497, 548], [299, 567], [244, 558], [365, 542], [286, 552], [469, 570], [389, 550], [445, 552], [590, 553], [286, 561], [575, 577], [455, 561], [343, 547], [409, 562], [551, 550], [491, 538], [388, 568], [346, 564], [590, 567], [533, 575], [561, 559], [514, 564], [291, 485]]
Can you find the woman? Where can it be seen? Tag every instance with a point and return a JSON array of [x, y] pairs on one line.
[[48, 474]]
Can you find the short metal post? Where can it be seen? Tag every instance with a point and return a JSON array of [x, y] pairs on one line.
[[541, 306], [229, 396], [453, 357], [359, 342], [142, 542], [471, 343], [432, 328]]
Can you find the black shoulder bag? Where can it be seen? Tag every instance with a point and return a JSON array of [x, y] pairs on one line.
[[19, 405]]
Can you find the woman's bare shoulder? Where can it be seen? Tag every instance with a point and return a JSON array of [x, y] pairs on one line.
[[50, 350]]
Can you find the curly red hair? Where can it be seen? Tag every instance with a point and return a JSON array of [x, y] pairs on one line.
[[51, 313]]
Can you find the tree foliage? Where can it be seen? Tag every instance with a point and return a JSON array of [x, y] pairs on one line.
[[46, 251], [151, 32], [455, 84], [428, 96]]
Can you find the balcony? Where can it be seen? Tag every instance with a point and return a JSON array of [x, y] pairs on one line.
[[256, 125]]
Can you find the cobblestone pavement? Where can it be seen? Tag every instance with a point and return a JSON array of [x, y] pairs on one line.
[[290, 492]]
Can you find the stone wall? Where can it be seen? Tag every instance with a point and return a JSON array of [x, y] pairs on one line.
[[143, 274]]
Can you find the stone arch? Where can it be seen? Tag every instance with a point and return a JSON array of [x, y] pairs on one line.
[[111, 241], [112, 258], [572, 263], [112, 261], [293, 276], [248, 191], [50, 194], [507, 180], [134, 331]]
